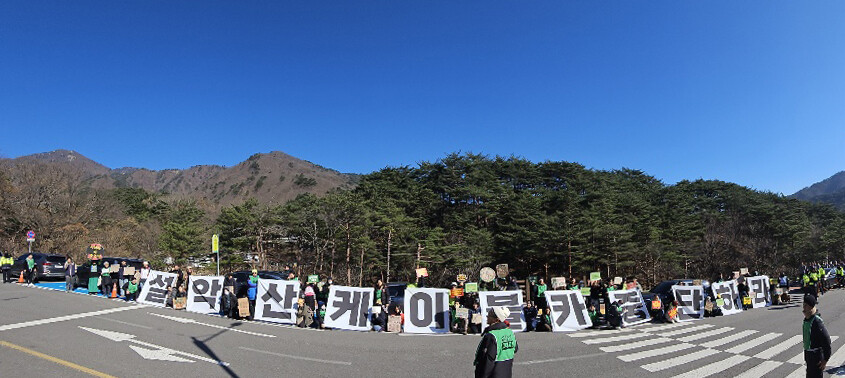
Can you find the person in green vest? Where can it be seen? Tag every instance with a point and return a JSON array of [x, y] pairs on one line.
[[814, 282], [840, 275], [106, 281], [498, 346], [540, 293], [94, 277], [131, 290], [30, 270], [822, 281], [816, 339], [6, 263]]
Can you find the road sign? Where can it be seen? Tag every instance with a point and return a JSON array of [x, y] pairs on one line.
[[30, 236], [156, 352], [215, 243]]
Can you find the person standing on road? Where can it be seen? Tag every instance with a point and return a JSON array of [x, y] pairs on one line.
[[106, 281], [94, 278], [30, 270], [252, 291], [70, 273], [6, 265], [495, 353], [816, 339], [145, 272], [122, 279]]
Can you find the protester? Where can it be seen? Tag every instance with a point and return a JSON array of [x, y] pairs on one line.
[[545, 323], [70, 273], [252, 290], [310, 296], [229, 283], [498, 346], [672, 312], [304, 315], [379, 319], [122, 278], [106, 282], [145, 272], [473, 326], [6, 263], [540, 293], [94, 278], [30, 270], [594, 316], [180, 277], [530, 313], [131, 290], [816, 339], [189, 271], [379, 291]]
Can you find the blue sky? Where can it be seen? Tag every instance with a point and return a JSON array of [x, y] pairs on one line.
[[748, 92]]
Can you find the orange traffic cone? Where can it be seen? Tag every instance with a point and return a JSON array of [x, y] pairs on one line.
[[20, 279], [114, 291]]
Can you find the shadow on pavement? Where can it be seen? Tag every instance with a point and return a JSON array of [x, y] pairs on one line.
[[210, 353]]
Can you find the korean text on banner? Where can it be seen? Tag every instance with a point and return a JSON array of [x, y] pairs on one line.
[[511, 299], [728, 293], [204, 294], [634, 309], [427, 310], [758, 290], [690, 302], [154, 291], [568, 310], [276, 301], [349, 308]]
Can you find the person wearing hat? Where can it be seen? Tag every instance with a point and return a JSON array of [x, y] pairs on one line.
[[495, 353], [252, 291], [816, 339]]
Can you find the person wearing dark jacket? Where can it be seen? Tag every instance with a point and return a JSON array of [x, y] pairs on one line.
[[816, 339], [130, 290], [106, 283], [498, 346]]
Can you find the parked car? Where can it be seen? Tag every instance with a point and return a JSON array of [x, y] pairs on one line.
[[242, 277], [47, 266], [663, 289], [396, 293], [83, 271]]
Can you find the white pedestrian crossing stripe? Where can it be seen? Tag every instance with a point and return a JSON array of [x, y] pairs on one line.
[[691, 350]]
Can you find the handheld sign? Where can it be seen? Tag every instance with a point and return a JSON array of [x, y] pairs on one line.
[[487, 274], [314, 278], [422, 272], [461, 278], [558, 282], [471, 287], [595, 276], [502, 270]]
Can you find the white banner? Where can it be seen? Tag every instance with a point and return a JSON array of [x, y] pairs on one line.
[[569, 311], [204, 294], [427, 310], [690, 302], [276, 301], [349, 308], [758, 290], [154, 291], [729, 293], [511, 299], [634, 309]]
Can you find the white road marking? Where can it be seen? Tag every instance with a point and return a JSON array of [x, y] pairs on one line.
[[126, 323], [192, 321], [624, 347], [600, 333], [685, 330], [655, 352], [798, 373], [680, 360], [760, 370], [838, 356], [779, 348], [753, 343], [63, 318], [580, 356], [146, 353], [616, 338], [158, 354], [297, 357], [662, 327], [726, 340], [698, 336], [714, 368]]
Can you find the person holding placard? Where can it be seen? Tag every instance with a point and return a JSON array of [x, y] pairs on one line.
[[498, 346]]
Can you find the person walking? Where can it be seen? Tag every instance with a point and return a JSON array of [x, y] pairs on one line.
[[6, 265], [30, 270], [70, 274], [816, 339], [498, 346]]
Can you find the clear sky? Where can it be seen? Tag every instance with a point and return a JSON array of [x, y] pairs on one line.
[[751, 92]]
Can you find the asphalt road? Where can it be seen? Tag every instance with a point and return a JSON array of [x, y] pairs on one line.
[[44, 332]]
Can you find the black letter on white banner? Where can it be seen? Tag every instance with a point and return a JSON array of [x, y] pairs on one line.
[[440, 312], [356, 303], [286, 302], [727, 295], [205, 291], [511, 301], [683, 298], [562, 304]]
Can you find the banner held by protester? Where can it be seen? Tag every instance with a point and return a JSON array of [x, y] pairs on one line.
[[204, 294], [511, 299], [276, 301], [690, 302], [634, 309], [426, 310], [154, 291], [349, 308], [568, 310]]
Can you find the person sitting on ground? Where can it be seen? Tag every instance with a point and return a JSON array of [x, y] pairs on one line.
[[304, 315], [379, 319], [672, 312], [594, 316], [614, 315], [474, 327], [545, 323], [130, 289], [530, 313]]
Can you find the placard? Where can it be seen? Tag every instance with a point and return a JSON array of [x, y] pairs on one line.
[[128, 271], [502, 270], [471, 287], [349, 308], [394, 323], [634, 309], [314, 278], [243, 307], [477, 319], [568, 310], [457, 292], [204, 294], [743, 271], [617, 280], [114, 268], [154, 291], [558, 282], [595, 276], [461, 278], [462, 313], [512, 299], [276, 301], [585, 291], [487, 274], [758, 290], [690, 302], [726, 294], [422, 272], [426, 310]]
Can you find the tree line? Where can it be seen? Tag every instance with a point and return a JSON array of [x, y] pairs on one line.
[[454, 215]]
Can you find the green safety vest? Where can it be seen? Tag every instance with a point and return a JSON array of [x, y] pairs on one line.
[[505, 344], [807, 326], [840, 271], [821, 272], [131, 288], [806, 279], [541, 291], [30, 263]]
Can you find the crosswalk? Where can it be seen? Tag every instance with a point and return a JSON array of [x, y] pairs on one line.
[[697, 350]]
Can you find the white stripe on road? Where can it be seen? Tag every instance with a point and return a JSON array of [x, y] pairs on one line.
[[655, 352], [576, 357], [760, 370], [686, 330], [680, 360], [63, 318], [624, 347], [600, 333], [727, 340], [616, 338], [779, 348], [714, 368], [798, 373], [753, 343], [298, 357], [838, 356], [799, 359], [191, 321], [126, 323], [663, 327], [698, 336]]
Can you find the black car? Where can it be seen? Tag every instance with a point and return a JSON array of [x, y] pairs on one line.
[[47, 266], [396, 294], [242, 277], [663, 289], [83, 271]]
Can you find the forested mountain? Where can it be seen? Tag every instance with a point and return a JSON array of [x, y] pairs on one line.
[[830, 190], [454, 215]]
